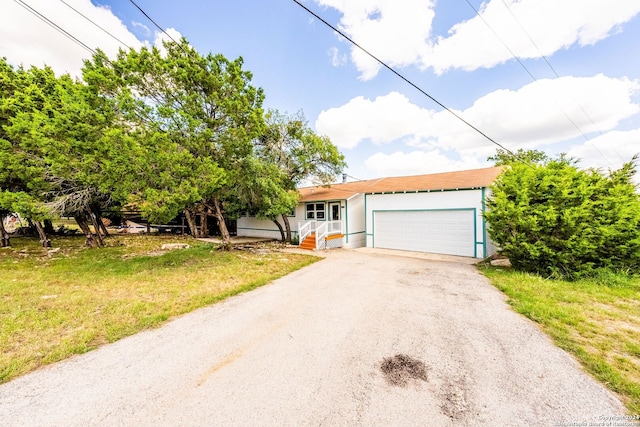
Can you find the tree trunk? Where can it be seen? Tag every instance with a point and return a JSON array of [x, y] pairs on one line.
[[282, 236], [103, 228], [224, 232], [4, 236], [83, 223], [48, 227], [287, 227], [204, 228], [96, 227], [191, 222], [44, 240]]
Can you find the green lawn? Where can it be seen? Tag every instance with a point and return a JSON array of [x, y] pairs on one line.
[[596, 320], [74, 300]]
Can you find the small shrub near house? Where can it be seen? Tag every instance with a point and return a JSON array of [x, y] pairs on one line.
[[557, 220]]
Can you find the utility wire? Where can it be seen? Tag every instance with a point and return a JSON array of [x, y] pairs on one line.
[[419, 89], [53, 25], [495, 33], [515, 18], [529, 37], [93, 22], [157, 26]]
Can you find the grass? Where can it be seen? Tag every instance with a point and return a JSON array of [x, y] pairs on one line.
[[54, 305], [596, 320]]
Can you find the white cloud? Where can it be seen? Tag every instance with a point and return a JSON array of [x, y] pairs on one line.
[[610, 150], [399, 33], [417, 163], [145, 30], [531, 117], [394, 31], [552, 24], [338, 59], [537, 113], [170, 34], [25, 39], [384, 119]]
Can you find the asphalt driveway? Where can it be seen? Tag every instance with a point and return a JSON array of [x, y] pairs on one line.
[[308, 350]]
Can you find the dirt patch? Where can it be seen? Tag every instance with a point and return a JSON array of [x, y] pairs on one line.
[[454, 400], [399, 369]]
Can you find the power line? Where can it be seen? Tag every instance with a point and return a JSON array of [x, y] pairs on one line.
[[157, 26], [419, 89], [529, 37], [515, 18], [495, 33], [90, 20], [53, 25]]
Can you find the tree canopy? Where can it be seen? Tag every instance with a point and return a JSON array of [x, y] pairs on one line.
[[300, 155], [163, 131], [556, 219]]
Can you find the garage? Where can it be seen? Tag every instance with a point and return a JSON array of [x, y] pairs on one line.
[[443, 231], [437, 213]]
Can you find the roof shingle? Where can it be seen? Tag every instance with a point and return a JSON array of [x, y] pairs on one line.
[[475, 178]]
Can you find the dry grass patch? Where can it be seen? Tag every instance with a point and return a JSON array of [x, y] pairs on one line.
[[76, 299]]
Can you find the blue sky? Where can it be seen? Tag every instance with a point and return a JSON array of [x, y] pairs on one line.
[[382, 125]]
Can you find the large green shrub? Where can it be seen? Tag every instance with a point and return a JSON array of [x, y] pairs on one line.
[[557, 220]]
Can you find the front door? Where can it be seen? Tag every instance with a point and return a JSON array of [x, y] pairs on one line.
[[334, 209]]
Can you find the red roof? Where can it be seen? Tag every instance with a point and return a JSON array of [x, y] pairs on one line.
[[475, 178]]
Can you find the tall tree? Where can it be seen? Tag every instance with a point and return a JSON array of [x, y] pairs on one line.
[[299, 153], [202, 106], [54, 150], [24, 172]]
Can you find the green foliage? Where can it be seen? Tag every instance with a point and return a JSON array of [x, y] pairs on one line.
[[531, 157], [557, 220], [190, 120], [160, 130], [299, 152]]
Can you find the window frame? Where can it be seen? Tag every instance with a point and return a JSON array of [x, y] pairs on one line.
[[315, 211]]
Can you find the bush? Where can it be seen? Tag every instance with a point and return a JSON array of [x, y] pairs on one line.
[[557, 220]]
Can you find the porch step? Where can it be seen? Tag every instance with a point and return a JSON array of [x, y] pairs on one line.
[[309, 242]]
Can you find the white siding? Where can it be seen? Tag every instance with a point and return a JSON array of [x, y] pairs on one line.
[[354, 220], [253, 227]]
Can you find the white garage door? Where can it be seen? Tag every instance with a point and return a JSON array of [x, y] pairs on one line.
[[443, 232]]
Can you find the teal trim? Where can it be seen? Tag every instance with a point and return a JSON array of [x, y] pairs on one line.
[[484, 226], [475, 233], [473, 210], [365, 221], [357, 232], [346, 220]]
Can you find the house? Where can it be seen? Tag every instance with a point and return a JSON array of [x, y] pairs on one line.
[[438, 213]]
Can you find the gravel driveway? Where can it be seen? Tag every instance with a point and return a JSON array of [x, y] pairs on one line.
[[308, 350]]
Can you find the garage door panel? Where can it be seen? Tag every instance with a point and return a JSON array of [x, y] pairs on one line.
[[444, 232]]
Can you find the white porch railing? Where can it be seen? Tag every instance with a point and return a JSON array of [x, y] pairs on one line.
[[304, 229], [321, 233], [322, 230]]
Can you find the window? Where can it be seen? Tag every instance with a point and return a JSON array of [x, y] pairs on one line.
[[315, 211]]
